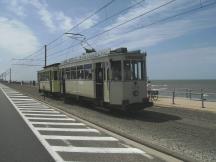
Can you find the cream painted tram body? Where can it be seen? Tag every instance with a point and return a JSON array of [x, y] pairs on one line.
[[48, 79], [115, 78]]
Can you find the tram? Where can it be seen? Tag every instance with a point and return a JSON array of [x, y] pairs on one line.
[[48, 79], [114, 78]]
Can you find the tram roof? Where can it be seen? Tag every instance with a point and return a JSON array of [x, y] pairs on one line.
[[101, 53], [51, 65]]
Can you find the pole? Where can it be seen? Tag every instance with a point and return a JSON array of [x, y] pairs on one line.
[[10, 75], [173, 96], [45, 48], [202, 98]]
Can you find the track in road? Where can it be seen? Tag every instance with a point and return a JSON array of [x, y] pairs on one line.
[[68, 139]]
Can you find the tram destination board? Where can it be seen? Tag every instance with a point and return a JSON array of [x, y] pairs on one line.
[[135, 57]]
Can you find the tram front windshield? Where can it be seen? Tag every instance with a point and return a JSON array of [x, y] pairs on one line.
[[134, 70]]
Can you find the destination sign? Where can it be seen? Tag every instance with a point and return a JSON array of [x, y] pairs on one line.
[[134, 57]]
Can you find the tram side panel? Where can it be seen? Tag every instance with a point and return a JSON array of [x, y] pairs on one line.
[[127, 92], [85, 88], [55, 86], [45, 86]]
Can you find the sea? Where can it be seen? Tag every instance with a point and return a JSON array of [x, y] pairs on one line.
[[184, 87]]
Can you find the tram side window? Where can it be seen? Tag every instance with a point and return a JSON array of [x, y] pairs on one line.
[[41, 76], [73, 72], [80, 72], [67, 72], [144, 75], [45, 76], [55, 77], [116, 70], [88, 71], [127, 70]]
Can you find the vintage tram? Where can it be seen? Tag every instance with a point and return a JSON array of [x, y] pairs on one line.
[[48, 79], [115, 78]]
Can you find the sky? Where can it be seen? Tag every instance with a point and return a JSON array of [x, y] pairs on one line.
[[179, 36]]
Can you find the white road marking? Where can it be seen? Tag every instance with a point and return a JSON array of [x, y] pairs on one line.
[[68, 129], [25, 102], [54, 119], [79, 138], [23, 109], [52, 152], [56, 123], [36, 109], [22, 99], [29, 106], [13, 92], [97, 150], [56, 115], [40, 111], [18, 96]]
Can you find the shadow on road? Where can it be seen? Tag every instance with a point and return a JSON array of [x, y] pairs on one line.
[[146, 116]]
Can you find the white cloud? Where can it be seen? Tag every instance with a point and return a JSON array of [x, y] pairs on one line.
[[65, 22], [45, 16], [16, 6], [89, 22], [16, 38], [53, 20]]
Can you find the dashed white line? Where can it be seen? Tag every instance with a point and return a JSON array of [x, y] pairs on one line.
[[29, 106], [55, 123], [21, 99], [54, 119], [79, 138], [40, 111], [36, 110], [97, 150], [54, 115], [68, 129], [53, 153], [30, 110], [18, 96]]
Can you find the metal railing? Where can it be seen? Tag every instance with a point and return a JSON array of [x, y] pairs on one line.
[[184, 93]]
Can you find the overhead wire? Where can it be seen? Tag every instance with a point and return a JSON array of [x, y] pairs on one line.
[[104, 20], [125, 22], [156, 22], [85, 19], [81, 22], [98, 34]]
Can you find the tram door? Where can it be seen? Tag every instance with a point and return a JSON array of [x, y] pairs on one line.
[[50, 80], [99, 81], [63, 81]]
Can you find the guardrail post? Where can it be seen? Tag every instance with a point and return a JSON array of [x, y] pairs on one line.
[[186, 93], [173, 96], [190, 94], [202, 98]]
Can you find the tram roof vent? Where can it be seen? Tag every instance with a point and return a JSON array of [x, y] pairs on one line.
[[119, 50]]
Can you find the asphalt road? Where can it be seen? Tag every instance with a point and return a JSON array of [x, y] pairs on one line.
[[186, 132], [63, 137], [17, 142]]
